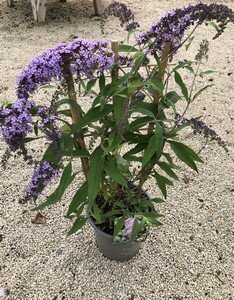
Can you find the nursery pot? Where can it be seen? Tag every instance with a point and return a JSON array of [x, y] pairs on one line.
[[121, 251]]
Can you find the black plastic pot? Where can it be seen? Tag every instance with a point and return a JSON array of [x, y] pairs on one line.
[[120, 251]]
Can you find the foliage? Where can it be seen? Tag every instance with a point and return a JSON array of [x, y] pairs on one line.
[[129, 134]]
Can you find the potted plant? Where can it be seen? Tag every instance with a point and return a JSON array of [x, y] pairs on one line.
[[129, 133]]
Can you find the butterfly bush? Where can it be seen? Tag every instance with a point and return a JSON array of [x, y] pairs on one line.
[[127, 124]]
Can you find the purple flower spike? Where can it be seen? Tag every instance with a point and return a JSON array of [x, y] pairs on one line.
[[43, 174], [128, 227], [125, 15], [15, 123], [172, 26], [85, 59]]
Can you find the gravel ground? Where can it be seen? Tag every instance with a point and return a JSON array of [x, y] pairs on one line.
[[190, 257]]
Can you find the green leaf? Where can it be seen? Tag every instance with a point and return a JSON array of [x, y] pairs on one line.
[[79, 198], [170, 99], [95, 174], [182, 154], [112, 213], [138, 148], [119, 225], [215, 26], [127, 48], [65, 112], [152, 215], [173, 133], [191, 153], [155, 84], [90, 84], [180, 82], [155, 145], [70, 102], [80, 153], [138, 62], [118, 110], [167, 169], [139, 122], [99, 100], [162, 182], [133, 138], [102, 83], [114, 173], [137, 227], [207, 72], [50, 155], [67, 143], [56, 196], [97, 213], [114, 141], [202, 90], [148, 109], [79, 222], [157, 200], [93, 115]]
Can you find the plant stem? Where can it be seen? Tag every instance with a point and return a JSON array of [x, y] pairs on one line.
[[75, 113], [156, 99]]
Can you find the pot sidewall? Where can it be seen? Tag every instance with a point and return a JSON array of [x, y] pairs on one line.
[[120, 251]]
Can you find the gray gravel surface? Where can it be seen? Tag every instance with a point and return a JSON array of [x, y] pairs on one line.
[[190, 257]]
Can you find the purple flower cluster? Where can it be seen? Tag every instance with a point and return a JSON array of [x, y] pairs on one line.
[[85, 58], [128, 227], [15, 123], [125, 15], [43, 174], [172, 26]]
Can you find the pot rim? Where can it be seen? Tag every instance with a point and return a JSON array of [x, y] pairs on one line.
[[96, 228], [103, 232]]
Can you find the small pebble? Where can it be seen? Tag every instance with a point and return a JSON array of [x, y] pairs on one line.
[[59, 251], [2, 292]]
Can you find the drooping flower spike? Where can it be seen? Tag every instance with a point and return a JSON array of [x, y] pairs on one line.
[[172, 26]]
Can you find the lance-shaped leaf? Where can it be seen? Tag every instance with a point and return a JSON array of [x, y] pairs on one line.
[[79, 222], [138, 226], [127, 48], [155, 84], [162, 183], [93, 115], [79, 198], [185, 154], [167, 169], [148, 109], [139, 122], [202, 90], [155, 145], [180, 82], [56, 196], [119, 225], [114, 173], [95, 174]]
